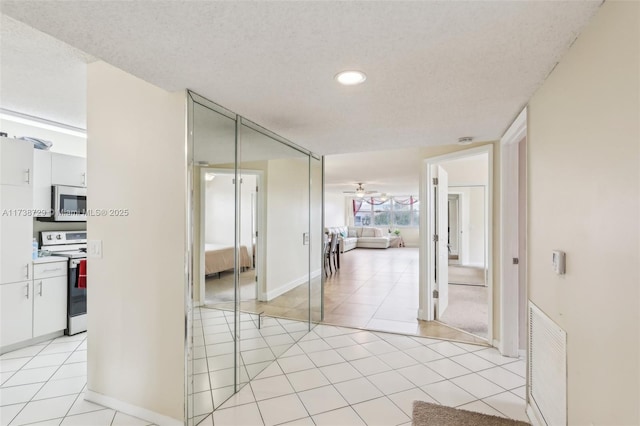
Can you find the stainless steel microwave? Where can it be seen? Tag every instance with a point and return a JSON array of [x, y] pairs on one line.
[[69, 203]]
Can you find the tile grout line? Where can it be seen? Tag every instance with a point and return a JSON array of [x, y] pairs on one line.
[[45, 382]]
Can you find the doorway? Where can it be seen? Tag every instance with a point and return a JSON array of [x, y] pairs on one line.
[[457, 242], [217, 192]]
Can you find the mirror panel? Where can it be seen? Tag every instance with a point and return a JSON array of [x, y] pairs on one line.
[[256, 218], [214, 272]]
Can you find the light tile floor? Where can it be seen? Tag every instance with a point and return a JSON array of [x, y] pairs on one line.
[[332, 376], [44, 384], [338, 376]]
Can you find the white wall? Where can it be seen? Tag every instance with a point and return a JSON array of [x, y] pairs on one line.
[[584, 196], [334, 209], [62, 143], [220, 209], [136, 305], [468, 171], [287, 202]]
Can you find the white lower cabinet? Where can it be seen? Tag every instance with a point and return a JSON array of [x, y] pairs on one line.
[[49, 305], [34, 308], [16, 301]]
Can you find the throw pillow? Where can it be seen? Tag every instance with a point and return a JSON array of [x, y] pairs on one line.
[[352, 232]]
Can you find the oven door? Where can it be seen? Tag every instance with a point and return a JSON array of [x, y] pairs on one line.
[[70, 203], [77, 297]]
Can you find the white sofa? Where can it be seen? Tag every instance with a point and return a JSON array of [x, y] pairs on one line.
[[361, 237]]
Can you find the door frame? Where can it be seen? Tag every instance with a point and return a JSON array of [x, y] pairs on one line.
[[509, 214], [426, 254], [260, 241]]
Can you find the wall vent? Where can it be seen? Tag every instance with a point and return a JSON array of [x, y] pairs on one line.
[[547, 368]]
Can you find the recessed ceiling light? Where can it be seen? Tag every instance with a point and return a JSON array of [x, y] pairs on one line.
[[351, 78]]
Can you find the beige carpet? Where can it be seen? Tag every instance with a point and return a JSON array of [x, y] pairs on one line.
[[426, 414], [468, 309], [466, 275]]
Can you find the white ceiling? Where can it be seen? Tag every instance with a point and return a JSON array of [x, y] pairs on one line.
[[41, 76], [437, 70]]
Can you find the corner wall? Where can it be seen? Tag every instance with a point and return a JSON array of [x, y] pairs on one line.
[[136, 318], [584, 191]]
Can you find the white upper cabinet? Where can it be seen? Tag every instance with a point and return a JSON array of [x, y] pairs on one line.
[[41, 183], [68, 170], [16, 162]]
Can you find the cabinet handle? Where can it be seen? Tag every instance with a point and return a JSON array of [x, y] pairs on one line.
[[27, 290], [28, 175], [41, 288], [52, 270], [27, 271], [84, 178]]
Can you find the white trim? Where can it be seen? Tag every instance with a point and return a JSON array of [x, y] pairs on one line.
[[517, 131], [290, 286], [425, 310], [535, 417], [130, 409], [509, 211]]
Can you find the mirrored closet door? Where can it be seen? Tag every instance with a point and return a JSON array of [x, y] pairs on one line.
[[256, 220]]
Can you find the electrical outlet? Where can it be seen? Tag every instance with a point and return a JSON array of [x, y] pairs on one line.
[[94, 248], [559, 262]]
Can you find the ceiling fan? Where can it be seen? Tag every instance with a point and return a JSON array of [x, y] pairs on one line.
[[360, 191]]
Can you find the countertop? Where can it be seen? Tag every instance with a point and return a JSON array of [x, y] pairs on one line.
[[49, 259]]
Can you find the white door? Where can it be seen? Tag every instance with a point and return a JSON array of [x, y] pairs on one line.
[[441, 207], [49, 305], [16, 234], [16, 162], [68, 170], [15, 312]]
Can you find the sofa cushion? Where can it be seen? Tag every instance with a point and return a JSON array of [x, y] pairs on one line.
[[367, 232]]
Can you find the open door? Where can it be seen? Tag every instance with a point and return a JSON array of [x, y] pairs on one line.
[[441, 247]]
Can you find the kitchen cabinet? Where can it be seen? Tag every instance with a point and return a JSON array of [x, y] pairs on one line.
[[16, 233], [68, 170], [16, 162], [49, 298], [16, 312], [41, 183]]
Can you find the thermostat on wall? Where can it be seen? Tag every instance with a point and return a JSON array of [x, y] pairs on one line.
[[559, 262]]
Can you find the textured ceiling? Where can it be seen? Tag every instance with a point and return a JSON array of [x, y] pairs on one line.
[[41, 76], [437, 70]]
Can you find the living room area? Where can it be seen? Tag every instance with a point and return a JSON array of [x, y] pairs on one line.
[[376, 220]]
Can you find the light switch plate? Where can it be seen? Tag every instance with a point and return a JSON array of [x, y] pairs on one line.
[[305, 238], [94, 248], [559, 262]]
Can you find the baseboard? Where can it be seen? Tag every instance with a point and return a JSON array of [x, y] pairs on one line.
[[33, 341], [270, 295], [534, 416], [132, 410], [496, 344]]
